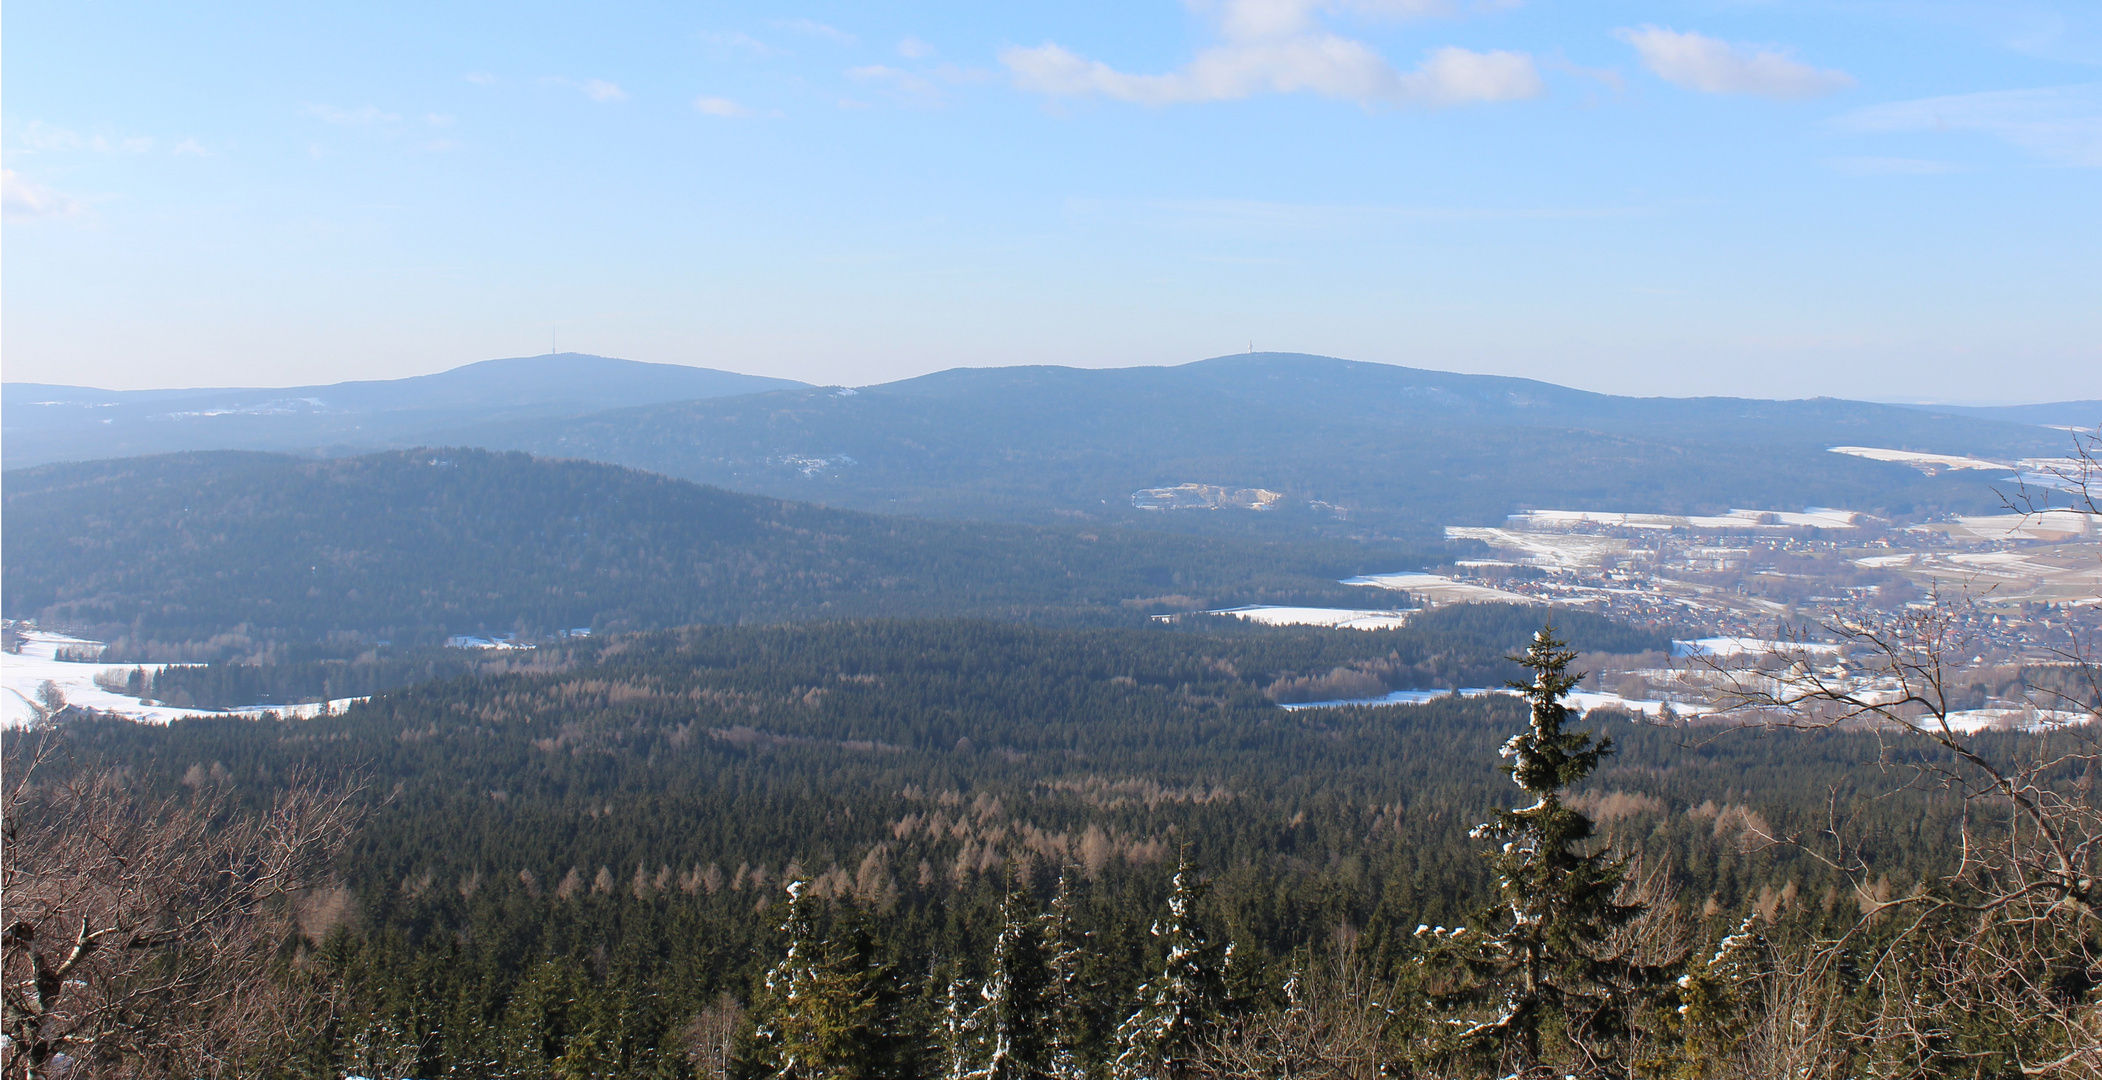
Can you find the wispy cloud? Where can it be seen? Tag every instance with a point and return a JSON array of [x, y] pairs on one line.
[[39, 137], [598, 90], [912, 48], [813, 28], [191, 147], [481, 78], [901, 81], [1247, 19], [1713, 66], [1893, 166], [719, 106], [1258, 218], [2062, 124], [1321, 63], [363, 116], [742, 42], [21, 200], [1281, 47]]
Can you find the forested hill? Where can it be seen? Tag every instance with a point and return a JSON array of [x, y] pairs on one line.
[[413, 546], [43, 423], [571, 862], [1394, 448]]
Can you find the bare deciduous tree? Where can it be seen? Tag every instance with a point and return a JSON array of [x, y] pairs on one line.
[[711, 1038], [1333, 1026], [141, 931], [1994, 964]]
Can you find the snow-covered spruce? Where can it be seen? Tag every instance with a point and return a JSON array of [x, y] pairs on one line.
[[1547, 961]]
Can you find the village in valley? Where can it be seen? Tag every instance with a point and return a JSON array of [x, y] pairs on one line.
[[1755, 590]]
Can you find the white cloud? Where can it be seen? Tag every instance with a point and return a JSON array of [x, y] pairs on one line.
[[742, 42], [1253, 19], [363, 116], [1323, 64], [481, 78], [598, 90], [904, 82], [21, 200], [1892, 166], [38, 137], [913, 48], [1712, 66], [719, 106], [813, 28], [2062, 124], [1278, 46], [191, 146]]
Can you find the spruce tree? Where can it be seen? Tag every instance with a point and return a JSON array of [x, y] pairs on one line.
[[1179, 1006], [956, 1033], [1013, 1019], [817, 1006], [1065, 991], [1543, 961]]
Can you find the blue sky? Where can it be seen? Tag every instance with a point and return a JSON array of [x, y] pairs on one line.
[[1897, 200]]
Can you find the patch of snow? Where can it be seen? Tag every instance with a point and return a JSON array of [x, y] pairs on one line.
[[1814, 517], [1204, 497], [23, 675], [1926, 463], [1338, 618], [1577, 700], [2045, 525], [1437, 591], [1973, 721], [470, 641], [1398, 697], [1747, 646]]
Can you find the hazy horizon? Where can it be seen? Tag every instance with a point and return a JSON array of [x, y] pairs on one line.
[[1884, 202], [1981, 402]]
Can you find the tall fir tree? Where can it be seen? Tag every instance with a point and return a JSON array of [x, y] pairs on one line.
[[1066, 991], [1544, 963], [956, 1035], [1013, 1018], [1180, 1006], [817, 1007]]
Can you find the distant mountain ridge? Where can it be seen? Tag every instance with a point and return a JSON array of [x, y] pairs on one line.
[[1352, 448], [1356, 445], [42, 422], [2081, 414]]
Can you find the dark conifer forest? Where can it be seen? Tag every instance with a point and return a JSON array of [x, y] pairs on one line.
[[762, 789], [609, 857]]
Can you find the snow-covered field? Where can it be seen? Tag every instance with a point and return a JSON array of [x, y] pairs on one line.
[[1815, 517], [2048, 526], [1922, 462], [1973, 721], [1578, 700], [22, 677], [1339, 618], [2063, 573], [1437, 591], [1746, 646]]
